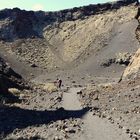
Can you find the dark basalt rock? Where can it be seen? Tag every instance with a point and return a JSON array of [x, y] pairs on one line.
[[23, 25], [9, 79]]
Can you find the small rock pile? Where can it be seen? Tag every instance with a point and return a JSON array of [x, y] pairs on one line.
[[133, 70], [121, 59]]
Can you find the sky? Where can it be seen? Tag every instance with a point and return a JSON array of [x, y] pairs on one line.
[[46, 5]]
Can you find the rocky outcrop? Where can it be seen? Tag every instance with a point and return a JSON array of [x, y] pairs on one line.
[[138, 33], [133, 70], [8, 79], [23, 24], [17, 24]]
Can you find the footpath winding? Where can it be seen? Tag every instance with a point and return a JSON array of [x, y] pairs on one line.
[[94, 127]]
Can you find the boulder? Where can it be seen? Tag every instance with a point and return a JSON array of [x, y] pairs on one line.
[[14, 91]]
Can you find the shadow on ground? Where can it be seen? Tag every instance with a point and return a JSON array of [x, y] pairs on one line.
[[14, 117]]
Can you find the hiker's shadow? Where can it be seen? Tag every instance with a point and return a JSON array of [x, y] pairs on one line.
[[14, 117]]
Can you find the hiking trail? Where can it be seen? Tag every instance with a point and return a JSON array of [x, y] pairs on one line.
[[94, 127]]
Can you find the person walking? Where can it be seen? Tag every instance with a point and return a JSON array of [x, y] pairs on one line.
[[59, 83]]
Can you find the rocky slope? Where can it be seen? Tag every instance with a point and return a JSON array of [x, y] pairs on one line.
[[70, 36], [133, 70]]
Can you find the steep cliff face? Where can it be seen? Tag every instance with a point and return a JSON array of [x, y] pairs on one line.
[[17, 24]]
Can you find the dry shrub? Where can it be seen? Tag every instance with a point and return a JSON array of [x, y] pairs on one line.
[[50, 87]]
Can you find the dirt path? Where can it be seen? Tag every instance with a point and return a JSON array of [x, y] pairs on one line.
[[70, 101], [94, 128]]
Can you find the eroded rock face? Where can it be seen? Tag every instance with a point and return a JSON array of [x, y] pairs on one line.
[[133, 70], [138, 33]]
